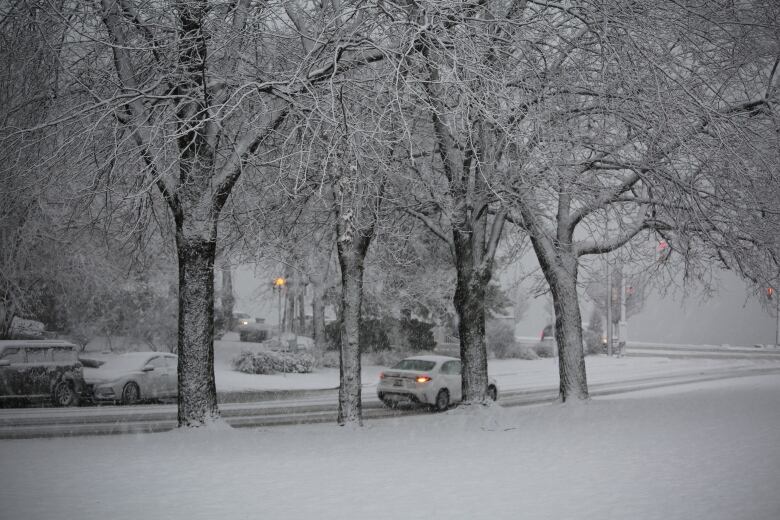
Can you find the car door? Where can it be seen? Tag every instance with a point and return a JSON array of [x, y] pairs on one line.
[[171, 380], [11, 363], [155, 378], [450, 372], [36, 375]]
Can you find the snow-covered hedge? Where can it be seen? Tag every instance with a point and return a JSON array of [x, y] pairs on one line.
[[273, 362], [545, 349], [516, 351], [329, 359]]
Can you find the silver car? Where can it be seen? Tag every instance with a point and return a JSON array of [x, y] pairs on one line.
[[429, 380], [133, 377]]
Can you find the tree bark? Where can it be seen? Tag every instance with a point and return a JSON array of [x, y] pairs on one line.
[[318, 312], [469, 303], [302, 310], [560, 271], [197, 399], [351, 261], [227, 298]]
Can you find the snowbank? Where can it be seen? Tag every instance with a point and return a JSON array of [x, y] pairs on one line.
[[709, 451]]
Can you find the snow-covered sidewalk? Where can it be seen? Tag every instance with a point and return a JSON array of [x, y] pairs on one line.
[[704, 451]]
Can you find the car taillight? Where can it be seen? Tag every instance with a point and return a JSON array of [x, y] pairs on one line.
[[423, 379]]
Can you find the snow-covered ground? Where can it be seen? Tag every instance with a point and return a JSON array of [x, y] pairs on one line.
[[702, 451], [509, 373]]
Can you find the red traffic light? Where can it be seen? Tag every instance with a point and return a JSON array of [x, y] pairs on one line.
[[770, 291]]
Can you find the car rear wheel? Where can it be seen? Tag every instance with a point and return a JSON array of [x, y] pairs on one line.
[[442, 400], [493, 393], [64, 395], [390, 403], [131, 393]]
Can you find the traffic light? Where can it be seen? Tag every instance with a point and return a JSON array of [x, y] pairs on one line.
[[770, 292]]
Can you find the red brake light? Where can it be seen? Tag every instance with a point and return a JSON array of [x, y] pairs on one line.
[[423, 379]]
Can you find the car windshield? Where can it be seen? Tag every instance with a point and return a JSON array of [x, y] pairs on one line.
[[415, 364], [125, 362]]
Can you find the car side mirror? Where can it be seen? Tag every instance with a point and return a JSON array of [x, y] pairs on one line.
[[5, 362], [148, 369]]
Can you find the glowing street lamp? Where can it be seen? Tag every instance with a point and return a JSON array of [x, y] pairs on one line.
[[279, 284]]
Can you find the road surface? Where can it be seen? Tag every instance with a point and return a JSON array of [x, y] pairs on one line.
[[297, 407]]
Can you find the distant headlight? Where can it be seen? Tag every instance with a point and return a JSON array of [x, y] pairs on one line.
[[244, 322]]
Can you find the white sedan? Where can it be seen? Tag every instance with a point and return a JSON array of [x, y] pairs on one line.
[[133, 377], [430, 380]]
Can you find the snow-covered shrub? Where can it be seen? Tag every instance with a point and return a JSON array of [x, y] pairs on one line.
[[274, 362], [545, 349], [328, 359], [518, 352]]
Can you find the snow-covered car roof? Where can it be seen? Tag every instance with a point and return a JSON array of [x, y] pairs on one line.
[[40, 343], [141, 355], [434, 358]]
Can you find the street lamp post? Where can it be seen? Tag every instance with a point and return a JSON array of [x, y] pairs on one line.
[[279, 284]]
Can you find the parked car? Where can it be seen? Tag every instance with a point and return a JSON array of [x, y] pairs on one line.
[[428, 380], [256, 331], [35, 370], [134, 377], [241, 319]]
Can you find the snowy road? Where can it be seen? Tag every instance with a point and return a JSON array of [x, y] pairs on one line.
[[521, 383]]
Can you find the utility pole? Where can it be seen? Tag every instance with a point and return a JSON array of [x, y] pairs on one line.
[[609, 308]]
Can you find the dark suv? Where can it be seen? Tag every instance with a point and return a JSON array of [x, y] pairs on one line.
[[40, 370]]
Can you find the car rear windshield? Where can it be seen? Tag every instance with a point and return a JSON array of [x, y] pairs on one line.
[[415, 364]]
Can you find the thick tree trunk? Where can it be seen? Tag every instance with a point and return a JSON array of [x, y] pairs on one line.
[[197, 400], [350, 408], [470, 305], [473, 275], [561, 274]]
